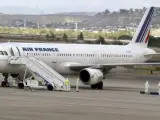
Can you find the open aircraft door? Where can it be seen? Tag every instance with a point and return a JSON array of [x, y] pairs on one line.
[[15, 51]]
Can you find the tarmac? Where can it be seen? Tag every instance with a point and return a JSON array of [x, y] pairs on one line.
[[120, 100]]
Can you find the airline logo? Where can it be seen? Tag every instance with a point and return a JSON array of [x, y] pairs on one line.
[[145, 30], [40, 49]]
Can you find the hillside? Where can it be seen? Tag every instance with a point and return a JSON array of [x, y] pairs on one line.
[[122, 18]]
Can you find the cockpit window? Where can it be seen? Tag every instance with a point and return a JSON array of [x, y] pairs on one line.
[[1, 53], [5, 53]]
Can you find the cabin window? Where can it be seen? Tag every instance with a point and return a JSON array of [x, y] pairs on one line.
[[5, 53], [1, 53]]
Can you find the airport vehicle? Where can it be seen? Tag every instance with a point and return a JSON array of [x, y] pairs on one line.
[[49, 61]]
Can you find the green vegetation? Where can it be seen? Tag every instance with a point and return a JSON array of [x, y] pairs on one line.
[[52, 33], [154, 41], [70, 35], [65, 37]]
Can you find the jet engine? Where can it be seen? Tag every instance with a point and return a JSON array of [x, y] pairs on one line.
[[90, 76]]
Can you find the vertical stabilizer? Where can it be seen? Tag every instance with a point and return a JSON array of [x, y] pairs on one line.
[[141, 36]]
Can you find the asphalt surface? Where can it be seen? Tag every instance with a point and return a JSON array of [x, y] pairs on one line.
[[120, 100]]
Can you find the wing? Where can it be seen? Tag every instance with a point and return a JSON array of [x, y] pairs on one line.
[[151, 55]]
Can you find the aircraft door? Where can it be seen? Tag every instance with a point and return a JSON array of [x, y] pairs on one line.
[[96, 57], [15, 51], [54, 58]]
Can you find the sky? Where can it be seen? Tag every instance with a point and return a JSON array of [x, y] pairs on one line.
[[54, 6]]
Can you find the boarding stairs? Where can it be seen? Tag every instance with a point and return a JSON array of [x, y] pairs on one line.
[[41, 71]]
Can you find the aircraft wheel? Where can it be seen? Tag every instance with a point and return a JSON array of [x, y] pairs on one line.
[[20, 85], [94, 86], [100, 85], [4, 84], [50, 87], [7, 84]]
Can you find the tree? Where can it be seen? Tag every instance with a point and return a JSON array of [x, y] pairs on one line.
[[101, 40], [131, 10], [106, 11], [53, 36], [65, 37], [123, 11], [80, 36], [47, 36]]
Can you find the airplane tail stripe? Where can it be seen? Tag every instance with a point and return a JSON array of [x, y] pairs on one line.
[[145, 25], [141, 33], [147, 37], [141, 37], [146, 28]]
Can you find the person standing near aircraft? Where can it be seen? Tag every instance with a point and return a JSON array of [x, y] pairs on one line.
[[159, 88], [77, 85], [146, 87], [67, 84]]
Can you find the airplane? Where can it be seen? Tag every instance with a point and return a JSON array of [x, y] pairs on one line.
[[90, 62]]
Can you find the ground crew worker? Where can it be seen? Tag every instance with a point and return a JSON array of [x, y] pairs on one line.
[[77, 86], [67, 84], [146, 87], [159, 88]]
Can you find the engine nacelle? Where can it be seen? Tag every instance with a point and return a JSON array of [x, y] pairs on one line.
[[90, 76]]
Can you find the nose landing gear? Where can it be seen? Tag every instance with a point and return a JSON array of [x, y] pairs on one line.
[[5, 83], [97, 86]]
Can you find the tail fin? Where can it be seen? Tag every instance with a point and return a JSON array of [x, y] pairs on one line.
[[141, 36]]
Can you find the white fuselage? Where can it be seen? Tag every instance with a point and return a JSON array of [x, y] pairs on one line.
[[58, 56]]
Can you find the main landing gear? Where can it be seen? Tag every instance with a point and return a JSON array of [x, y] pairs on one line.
[[5, 83], [97, 86], [50, 87], [20, 85]]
